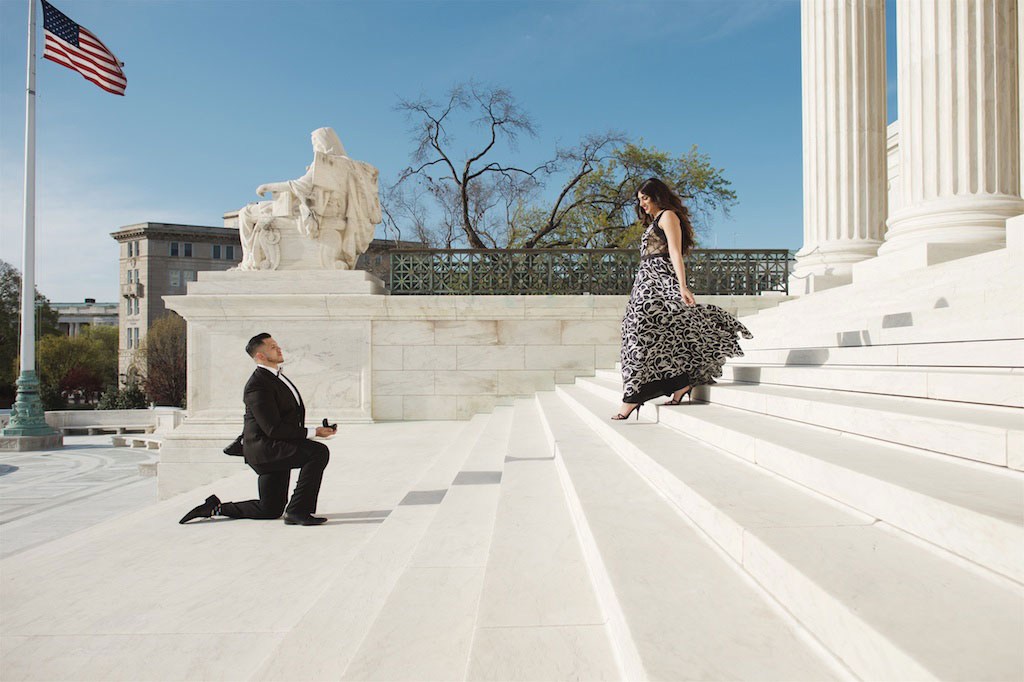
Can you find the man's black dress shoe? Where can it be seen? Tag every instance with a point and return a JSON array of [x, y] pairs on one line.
[[203, 511], [307, 520]]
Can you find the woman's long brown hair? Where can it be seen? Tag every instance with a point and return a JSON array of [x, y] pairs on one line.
[[664, 198]]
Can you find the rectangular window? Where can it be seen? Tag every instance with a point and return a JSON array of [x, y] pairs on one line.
[[174, 249], [129, 338], [130, 245], [137, 280], [229, 252], [129, 276], [216, 250], [190, 275], [188, 249], [175, 278], [136, 337]]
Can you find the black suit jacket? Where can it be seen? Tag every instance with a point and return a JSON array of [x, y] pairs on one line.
[[274, 423]]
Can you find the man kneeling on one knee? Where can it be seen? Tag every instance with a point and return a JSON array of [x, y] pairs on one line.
[[275, 441]]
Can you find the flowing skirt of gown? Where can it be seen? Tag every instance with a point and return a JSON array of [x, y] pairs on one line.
[[668, 345]]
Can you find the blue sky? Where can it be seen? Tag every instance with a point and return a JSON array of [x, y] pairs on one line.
[[222, 95]]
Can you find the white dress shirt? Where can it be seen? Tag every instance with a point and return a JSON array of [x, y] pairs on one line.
[[310, 432]]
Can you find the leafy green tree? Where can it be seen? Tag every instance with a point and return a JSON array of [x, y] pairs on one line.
[[163, 354], [76, 367], [107, 338], [10, 328], [596, 208], [130, 397]]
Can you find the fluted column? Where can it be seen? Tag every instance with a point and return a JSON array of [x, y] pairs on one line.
[[959, 114], [844, 134]]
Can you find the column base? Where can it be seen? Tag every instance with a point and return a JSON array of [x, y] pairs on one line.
[[831, 262], [957, 220], [916, 256]]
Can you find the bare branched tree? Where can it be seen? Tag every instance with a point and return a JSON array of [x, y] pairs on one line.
[[579, 161], [467, 188]]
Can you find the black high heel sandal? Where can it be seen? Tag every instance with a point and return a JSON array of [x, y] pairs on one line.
[[686, 394], [635, 408]]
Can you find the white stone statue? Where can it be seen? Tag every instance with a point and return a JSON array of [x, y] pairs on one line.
[[335, 205]]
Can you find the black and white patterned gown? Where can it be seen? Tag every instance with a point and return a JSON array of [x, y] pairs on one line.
[[666, 344]]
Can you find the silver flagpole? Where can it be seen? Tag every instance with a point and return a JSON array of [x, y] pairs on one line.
[[28, 429]]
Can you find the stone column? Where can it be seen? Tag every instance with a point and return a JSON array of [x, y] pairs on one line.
[[844, 139], [959, 112]]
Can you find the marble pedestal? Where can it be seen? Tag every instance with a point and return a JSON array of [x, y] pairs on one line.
[[326, 349]]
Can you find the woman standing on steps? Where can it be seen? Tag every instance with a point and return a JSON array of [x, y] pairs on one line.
[[669, 343]]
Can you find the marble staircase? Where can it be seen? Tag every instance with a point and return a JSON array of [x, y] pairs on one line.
[[704, 541], [847, 502]]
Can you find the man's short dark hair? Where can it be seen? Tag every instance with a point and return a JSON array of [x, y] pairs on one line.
[[255, 343]]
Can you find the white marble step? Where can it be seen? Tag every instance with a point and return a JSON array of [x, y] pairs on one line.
[[539, 617], [984, 354], [336, 625], [678, 606], [788, 537], [942, 284], [973, 510], [984, 433], [928, 326], [1003, 387], [988, 297], [424, 630]]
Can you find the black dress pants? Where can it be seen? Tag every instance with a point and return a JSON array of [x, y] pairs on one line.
[[311, 460]]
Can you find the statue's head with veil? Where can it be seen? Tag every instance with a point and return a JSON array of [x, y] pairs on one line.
[[335, 205]]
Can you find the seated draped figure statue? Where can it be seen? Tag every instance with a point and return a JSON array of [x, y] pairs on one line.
[[335, 204]]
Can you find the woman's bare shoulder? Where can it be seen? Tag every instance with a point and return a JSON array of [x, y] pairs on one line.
[[669, 218]]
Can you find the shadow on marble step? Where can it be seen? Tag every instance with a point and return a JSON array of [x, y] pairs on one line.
[[985, 301], [660, 581], [1000, 353], [931, 327], [958, 293], [970, 272], [748, 511], [954, 503], [1003, 388]]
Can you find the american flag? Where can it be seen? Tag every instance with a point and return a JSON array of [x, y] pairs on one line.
[[75, 47]]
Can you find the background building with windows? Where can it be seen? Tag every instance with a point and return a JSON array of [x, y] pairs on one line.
[[159, 259], [73, 317]]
